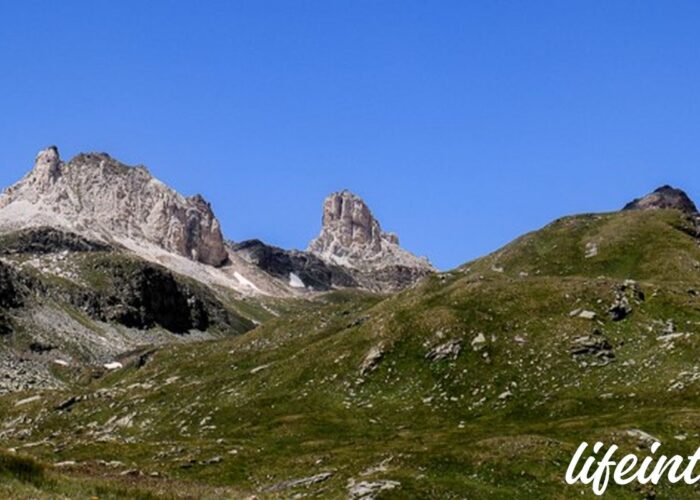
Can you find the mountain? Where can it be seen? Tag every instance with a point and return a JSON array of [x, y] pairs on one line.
[[104, 200], [479, 382], [351, 237], [351, 252], [94, 194], [99, 259]]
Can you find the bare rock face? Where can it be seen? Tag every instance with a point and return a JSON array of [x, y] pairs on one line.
[[349, 231], [352, 238], [664, 197], [304, 269], [47, 165], [97, 196]]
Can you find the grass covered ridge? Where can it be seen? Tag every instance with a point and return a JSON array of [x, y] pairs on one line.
[[351, 389]]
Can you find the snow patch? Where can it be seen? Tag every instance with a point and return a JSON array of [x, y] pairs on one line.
[[244, 281], [295, 281], [27, 400]]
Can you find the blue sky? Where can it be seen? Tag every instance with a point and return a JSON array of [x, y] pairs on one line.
[[462, 124]]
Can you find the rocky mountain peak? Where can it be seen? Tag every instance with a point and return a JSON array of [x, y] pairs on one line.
[[47, 165], [352, 237], [664, 197], [348, 225], [97, 196], [48, 156]]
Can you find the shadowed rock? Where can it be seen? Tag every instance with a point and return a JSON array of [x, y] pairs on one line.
[[310, 269], [664, 197]]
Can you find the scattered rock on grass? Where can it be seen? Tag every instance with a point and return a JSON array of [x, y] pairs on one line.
[[296, 483], [448, 350], [479, 342], [367, 490], [372, 359]]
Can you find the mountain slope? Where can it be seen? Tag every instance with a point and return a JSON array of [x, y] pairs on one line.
[[660, 245], [480, 382], [69, 301], [100, 260]]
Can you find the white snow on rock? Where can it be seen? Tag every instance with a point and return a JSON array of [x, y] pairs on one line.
[[259, 368], [245, 281], [27, 400], [114, 365], [295, 281]]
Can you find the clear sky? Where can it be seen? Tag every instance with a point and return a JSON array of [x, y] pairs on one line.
[[463, 124]]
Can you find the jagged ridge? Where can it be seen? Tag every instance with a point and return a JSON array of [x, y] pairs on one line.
[[95, 194]]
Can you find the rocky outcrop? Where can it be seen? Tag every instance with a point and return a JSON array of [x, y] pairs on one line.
[[46, 240], [106, 285], [664, 197], [138, 294], [96, 196], [448, 350], [352, 238], [350, 235], [12, 288], [299, 269], [592, 350]]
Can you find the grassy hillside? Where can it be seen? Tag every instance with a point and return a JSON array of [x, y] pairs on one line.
[[659, 245], [478, 383]]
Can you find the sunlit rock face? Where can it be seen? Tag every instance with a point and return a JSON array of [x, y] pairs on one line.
[[353, 238], [96, 195]]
